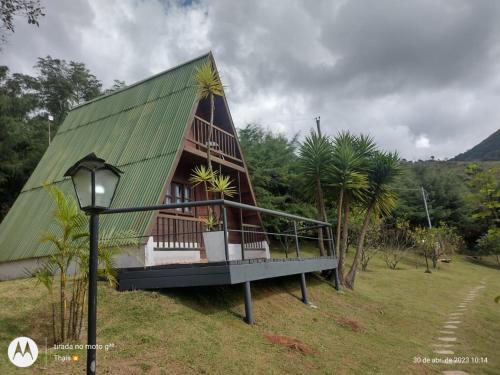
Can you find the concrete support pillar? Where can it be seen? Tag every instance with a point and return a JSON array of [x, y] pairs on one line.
[[303, 288], [248, 304]]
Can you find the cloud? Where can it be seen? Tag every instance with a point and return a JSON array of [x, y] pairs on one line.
[[422, 142], [421, 76]]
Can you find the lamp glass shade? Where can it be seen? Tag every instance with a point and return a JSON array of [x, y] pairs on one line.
[[82, 180], [106, 182]]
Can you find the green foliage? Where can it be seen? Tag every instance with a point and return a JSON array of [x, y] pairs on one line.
[[23, 135], [207, 81], [208, 84], [349, 164], [273, 167], [64, 85], [315, 155], [489, 243], [446, 195], [437, 242], [25, 102], [215, 183], [12, 9], [396, 240], [485, 193], [70, 262], [211, 221], [384, 168], [222, 185]]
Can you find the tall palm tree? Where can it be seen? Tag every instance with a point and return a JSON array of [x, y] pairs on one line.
[[347, 177], [364, 147], [380, 199], [208, 84], [315, 157]]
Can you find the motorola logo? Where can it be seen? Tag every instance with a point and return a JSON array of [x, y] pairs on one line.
[[22, 351]]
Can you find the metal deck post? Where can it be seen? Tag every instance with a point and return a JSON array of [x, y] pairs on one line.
[[248, 304], [303, 288], [241, 220], [297, 250], [224, 227]]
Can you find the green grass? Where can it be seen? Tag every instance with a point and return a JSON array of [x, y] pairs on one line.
[[391, 317]]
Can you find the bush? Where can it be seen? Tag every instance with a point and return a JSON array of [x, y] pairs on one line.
[[489, 244]]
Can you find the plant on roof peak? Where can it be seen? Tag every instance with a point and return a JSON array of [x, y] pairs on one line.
[[208, 84]]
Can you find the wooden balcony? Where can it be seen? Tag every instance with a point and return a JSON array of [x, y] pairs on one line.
[[223, 145]]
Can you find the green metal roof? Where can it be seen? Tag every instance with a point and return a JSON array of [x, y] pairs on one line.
[[139, 129]]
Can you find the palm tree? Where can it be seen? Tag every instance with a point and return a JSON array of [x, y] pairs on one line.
[[380, 199], [70, 261], [347, 176], [364, 147], [208, 84], [315, 157]]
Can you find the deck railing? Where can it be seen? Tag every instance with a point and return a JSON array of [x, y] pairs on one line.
[[178, 233], [222, 143]]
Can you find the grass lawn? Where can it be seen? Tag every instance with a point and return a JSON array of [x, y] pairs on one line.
[[391, 318]]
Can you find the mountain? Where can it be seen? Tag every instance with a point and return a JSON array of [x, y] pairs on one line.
[[489, 149]]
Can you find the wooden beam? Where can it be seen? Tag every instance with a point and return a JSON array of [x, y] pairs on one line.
[[216, 159]]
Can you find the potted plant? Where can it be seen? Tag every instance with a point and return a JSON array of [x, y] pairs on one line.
[[222, 186]]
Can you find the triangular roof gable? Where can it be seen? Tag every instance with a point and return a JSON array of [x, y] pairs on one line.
[[140, 129]]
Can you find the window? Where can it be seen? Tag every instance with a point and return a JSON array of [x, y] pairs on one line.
[[179, 193]]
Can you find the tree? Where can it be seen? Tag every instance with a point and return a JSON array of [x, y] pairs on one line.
[[364, 147], [273, 165], [29, 9], [346, 175], [117, 85], [436, 242], [489, 243], [69, 263], [446, 194], [379, 199], [208, 84], [23, 133], [64, 85], [396, 240], [485, 193], [315, 156]]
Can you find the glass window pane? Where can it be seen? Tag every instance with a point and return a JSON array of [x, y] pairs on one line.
[[83, 186], [105, 185]]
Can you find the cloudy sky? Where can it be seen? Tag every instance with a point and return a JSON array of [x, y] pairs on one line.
[[421, 76]]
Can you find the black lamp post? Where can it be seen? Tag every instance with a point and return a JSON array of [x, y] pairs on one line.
[[95, 185]]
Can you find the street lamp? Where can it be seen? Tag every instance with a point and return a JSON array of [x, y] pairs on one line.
[[95, 184]]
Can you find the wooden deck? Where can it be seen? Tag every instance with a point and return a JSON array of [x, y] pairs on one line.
[[218, 273]]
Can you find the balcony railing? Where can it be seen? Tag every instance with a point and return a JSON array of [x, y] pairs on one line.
[[179, 233], [222, 143]]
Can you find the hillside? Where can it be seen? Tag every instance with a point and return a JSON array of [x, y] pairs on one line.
[[489, 149], [392, 317]]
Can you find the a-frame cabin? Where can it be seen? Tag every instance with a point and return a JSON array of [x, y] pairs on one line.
[[156, 132]]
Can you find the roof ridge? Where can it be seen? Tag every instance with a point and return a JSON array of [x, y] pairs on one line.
[[207, 54]]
